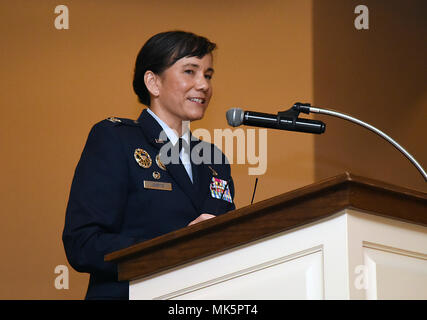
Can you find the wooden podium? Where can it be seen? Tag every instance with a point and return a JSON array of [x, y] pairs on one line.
[[347, 237]]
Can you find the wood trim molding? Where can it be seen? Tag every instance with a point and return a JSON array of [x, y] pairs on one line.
[[283, 212]]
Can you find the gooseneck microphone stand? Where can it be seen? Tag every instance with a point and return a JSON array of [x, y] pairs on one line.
[[307, 108]]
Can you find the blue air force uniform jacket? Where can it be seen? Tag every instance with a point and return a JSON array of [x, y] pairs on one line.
[[109, 208]]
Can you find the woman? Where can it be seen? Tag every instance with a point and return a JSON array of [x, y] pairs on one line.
[[124, 191]]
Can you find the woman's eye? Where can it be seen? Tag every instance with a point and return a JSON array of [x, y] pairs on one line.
[[208, 76], [189, 71]]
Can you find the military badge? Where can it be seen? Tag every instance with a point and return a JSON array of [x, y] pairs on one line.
[[159, 163], [156, 175], [114, 119], [214, 173], [220, 190], [142, 158]]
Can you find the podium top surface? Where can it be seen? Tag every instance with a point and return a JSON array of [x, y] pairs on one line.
[[280, 213]]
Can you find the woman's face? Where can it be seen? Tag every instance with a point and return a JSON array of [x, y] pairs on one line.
[[185, 89]]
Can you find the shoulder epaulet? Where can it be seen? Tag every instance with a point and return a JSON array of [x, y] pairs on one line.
[[122, 121]]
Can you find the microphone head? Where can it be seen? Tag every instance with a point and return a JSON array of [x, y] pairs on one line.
[[235, 117]]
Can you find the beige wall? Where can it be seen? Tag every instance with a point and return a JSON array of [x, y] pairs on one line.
[[57, 84], [376, 75]]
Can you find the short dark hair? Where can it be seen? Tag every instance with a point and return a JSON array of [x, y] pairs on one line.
[[161, 51]]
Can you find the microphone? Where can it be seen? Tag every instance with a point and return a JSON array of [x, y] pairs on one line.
[[286, 120]]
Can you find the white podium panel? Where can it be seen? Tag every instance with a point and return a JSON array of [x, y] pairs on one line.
[[395, 275], [302, 276], [351, 255], [388, 258]]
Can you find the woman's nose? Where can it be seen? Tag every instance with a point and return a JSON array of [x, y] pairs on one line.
[[202, 83]]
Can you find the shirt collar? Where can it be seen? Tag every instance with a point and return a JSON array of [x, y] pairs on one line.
[[172, 136]]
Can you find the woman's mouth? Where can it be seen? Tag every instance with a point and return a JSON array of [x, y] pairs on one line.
[[197, 100]]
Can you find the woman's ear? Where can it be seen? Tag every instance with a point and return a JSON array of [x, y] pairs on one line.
[[150, 80]]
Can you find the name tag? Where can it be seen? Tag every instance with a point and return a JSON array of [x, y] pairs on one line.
[[167, 186]]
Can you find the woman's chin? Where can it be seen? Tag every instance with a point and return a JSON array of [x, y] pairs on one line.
[[196, 115]]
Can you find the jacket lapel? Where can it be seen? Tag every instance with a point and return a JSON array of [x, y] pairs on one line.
[[152, 129], [201, 172]]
